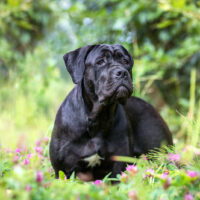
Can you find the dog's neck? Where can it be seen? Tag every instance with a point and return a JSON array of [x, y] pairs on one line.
[[100, 116]]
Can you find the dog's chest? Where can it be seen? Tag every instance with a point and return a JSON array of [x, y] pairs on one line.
[[115, 139]]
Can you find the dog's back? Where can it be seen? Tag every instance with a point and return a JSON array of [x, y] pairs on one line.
[[149, 129]]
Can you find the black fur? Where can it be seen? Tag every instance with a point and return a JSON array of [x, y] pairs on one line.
[[100, 116]]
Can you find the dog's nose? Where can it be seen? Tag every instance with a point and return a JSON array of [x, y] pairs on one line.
[[121, 73]]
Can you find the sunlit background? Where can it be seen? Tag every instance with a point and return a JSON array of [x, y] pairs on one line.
[[163, 37]]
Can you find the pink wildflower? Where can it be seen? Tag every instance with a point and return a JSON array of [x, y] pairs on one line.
[[18, 150], [124, 176], [174, 157], [149, 173], [166, 172], [132, 195], [144, 157], [40, 156], [28, 188], [29, 156], [192, 174], [164, 175], [15, 159], [46, 140], [132, 169], [188, 196], [38, 149], [39, 177], [98, 182], [26, 161], [38, 142]]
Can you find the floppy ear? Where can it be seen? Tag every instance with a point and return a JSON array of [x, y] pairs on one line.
[[75, 62]]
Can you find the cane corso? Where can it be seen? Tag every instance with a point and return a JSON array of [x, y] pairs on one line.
[[99, 118]]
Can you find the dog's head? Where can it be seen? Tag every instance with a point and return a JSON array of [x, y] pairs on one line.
[[106, 71]]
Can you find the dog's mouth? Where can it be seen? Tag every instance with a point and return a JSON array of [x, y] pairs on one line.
[[123, 91], [120, 92]]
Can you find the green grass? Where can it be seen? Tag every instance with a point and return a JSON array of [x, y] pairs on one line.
[[166, 177]]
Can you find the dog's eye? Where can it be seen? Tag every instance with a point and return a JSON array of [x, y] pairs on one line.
[[119, 55], [126, 61], [100, 62]]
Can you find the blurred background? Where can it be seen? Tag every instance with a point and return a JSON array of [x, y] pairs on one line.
[[163, 37]]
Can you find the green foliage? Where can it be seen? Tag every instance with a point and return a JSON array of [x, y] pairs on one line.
[[169, 176], [164, 37], [22, 24]]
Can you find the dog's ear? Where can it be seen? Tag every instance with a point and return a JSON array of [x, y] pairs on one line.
[[75, 62]]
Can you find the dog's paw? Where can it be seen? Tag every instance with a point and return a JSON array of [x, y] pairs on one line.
[[85, 176]]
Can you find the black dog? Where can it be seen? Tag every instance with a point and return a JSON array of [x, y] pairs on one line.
[[99, 118]]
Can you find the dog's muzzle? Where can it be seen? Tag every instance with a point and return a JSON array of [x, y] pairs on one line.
[[124, 87]]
